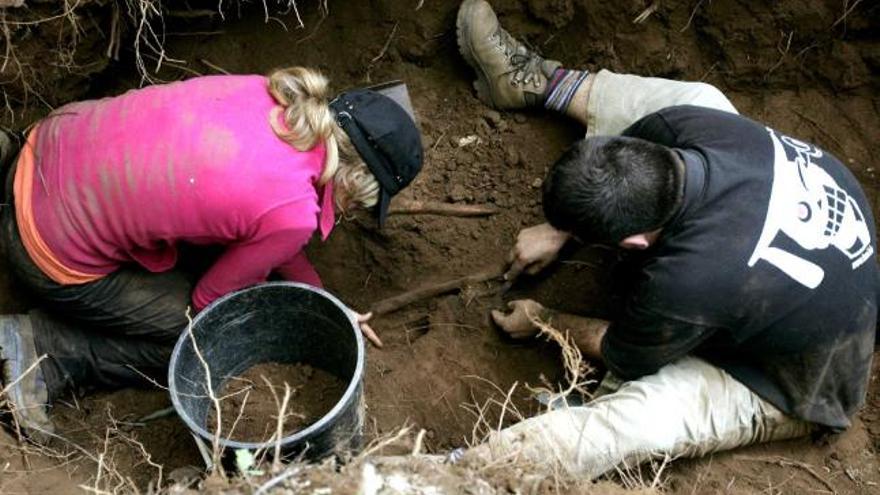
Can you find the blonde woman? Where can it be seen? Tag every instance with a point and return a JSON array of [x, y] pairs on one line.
[[103, 191]]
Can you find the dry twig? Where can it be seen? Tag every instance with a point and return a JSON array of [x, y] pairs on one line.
[[68, 12], [846, 12], [28, 371], [783, 52], [381, 54], [691, 18], [420, 438], [784, 462], [379, 444], [279, 421], [386, 45], [482, 426], [647, 12], [214, 66], [216, 450]]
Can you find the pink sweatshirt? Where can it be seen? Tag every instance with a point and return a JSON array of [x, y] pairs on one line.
[[124, 179]]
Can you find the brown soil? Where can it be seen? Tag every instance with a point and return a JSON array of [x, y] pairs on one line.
[[419, 475], [250, 402], [801, 67]]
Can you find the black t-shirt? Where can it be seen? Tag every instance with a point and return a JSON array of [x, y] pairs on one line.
[[767, 270]]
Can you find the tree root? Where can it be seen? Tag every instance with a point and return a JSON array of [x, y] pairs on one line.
[[410, 207], [394, 303]]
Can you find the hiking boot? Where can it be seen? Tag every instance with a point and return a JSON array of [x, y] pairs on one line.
[[27, 394], [509, 75]]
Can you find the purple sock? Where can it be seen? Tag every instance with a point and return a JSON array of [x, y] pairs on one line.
[[561, 88]]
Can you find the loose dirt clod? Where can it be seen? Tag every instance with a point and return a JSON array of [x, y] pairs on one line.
[[250, 402]]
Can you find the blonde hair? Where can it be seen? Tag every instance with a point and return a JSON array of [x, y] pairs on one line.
[[302, 96]]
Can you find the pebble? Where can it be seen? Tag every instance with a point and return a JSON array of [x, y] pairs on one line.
[[481, 126], [537, 183], [519, 118], [512, 157], [413, 52], [469, 140], [493, 118], [834, 464], [458, 193]]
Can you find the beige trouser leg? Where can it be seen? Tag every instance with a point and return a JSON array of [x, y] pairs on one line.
[[615, 101], [687, 409]]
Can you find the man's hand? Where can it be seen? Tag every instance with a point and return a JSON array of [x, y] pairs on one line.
[[368, 332], [517, 323], [586, 332], [536, 247]]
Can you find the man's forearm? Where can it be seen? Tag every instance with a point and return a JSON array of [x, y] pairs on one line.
[[587, 333]]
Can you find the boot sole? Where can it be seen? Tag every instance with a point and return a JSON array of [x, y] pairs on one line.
[[34, 424], [464, 47], [12, 370]]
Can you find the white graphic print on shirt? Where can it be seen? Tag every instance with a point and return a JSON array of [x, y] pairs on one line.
[[807, 205]]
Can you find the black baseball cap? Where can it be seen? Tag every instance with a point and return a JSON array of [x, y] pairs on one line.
[[385, 135]]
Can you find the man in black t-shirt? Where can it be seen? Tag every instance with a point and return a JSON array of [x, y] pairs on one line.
[[753, 317]]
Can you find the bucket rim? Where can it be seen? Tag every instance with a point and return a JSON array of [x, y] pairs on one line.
[[299, 435]]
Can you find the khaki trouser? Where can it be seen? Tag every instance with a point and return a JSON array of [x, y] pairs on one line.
[[688, 408], [617, 101]]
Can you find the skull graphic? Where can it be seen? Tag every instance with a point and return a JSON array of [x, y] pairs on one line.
[[807, 205]]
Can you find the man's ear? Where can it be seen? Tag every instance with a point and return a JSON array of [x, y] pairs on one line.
[[640, 241]]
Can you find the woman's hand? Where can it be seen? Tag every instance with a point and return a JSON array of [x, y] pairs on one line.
[[518, 323], [368, 332]]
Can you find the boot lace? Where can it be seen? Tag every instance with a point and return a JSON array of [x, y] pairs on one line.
[[525, 64]]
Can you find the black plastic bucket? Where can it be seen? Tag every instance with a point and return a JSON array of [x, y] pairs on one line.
[[281, 322]]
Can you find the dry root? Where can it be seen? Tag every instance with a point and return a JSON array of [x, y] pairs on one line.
[[30, 61], [576, 368]]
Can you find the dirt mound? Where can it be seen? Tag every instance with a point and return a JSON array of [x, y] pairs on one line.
[[251, 402], [556, 13]]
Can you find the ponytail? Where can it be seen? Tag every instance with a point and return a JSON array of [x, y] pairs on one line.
[[302, 96]]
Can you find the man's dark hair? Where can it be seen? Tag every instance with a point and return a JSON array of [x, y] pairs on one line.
[[607, 188]]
